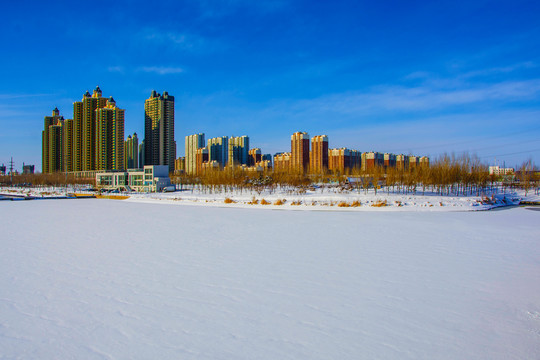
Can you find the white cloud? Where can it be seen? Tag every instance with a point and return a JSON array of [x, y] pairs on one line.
[[116, 69], [161, 70]]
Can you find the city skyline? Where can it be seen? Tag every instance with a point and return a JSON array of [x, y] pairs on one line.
[[416, 78]]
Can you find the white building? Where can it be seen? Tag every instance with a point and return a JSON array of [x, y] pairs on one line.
[[496, 170], [151, 178], [193, 143]]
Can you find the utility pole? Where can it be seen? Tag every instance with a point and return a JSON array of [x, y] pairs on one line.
[[11, 169]]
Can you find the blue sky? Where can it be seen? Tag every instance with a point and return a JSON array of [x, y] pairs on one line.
[[405, 77]]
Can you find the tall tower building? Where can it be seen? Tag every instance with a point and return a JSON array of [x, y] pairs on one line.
[[141, 155], [238, 150], [131, 150], [218, 150], [77, 133], [318, 158], [51, 142], [160, 147], [255, 156], [299, 152], [193, 143], [89, 131], [110, 137], [67, 142]]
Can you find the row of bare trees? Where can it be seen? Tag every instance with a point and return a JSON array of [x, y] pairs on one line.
[[447, 175]]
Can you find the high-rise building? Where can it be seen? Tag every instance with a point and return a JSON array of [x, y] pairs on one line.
[[160, 147], [282, 162], [84, 130], [51, 135], [299, 152], [141, 154], [389, 160], [180, 165], [67, 142], [402, 162], [424, 161], [110, 137], [238, 151], [201, 158], [131, 150], [255, 156], [318, 158], [55, 147], [413, 161], [77, 133], [88, 124], [372, 159], [341, 160], [193, 143], [218, 150]]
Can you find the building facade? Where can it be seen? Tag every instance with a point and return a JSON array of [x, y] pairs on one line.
[[131, 151], [282, 162], [318, 157], [342, 160], [299, 152], [109, 151], [238, 151], [51, 153], [151, 178], [193, 143], [160, 147], [254, 156], [218, 150]]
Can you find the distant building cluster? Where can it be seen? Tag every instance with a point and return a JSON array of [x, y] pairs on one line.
[[219, 153], [94, 139], [93, 142], [307, 155]]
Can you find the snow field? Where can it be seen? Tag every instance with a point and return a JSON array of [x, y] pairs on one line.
[[99, 279]]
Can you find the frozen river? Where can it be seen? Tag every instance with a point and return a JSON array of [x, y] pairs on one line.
[[103, 279]]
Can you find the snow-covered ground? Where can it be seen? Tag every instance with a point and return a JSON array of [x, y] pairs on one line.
[[106, 279], [317, 198]]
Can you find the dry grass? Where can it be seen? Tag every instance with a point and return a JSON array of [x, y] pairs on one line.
[[253, 201], [279, 202], [112, 197], [229, 201], [264, 202], [379, 203], [356, 203], [398, 203], [296, 203], [343, 204]]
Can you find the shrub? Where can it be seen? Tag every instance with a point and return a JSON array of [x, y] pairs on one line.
[[229, 201], [280, 202], [379, 203], [264, 202], [356, 203], [343, 204]]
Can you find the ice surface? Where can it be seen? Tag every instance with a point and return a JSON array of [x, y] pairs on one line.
[[104, 279]]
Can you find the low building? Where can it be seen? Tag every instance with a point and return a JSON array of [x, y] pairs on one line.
[[152, 178], [496, 170], [282, 161], [28, 169], [180, 165]]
